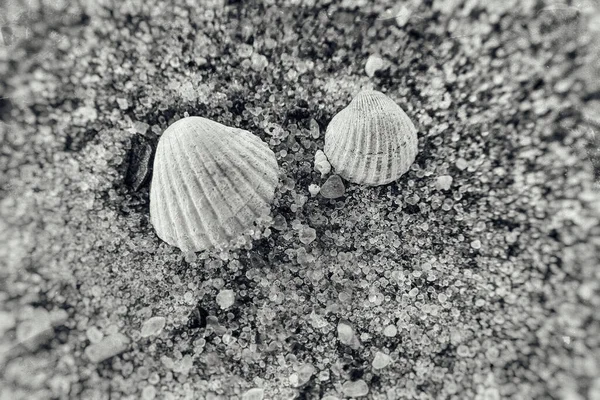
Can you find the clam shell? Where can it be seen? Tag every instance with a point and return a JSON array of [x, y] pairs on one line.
[[371, 141], [210, 184]]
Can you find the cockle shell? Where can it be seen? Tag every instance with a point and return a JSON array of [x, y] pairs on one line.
[[371, 141], [210, 184]]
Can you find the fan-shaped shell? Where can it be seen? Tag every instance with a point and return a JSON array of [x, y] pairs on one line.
[[371, 141], [210, 183]]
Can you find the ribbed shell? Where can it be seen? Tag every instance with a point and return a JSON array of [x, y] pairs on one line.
[[210, 183], [371, 141]]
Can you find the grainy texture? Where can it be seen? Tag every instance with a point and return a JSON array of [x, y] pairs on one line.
[[488, 288]]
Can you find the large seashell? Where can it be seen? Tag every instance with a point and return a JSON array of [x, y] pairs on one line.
[[210, 184], [371, 141]]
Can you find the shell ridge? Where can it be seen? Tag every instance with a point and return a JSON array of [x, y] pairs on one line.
[[332, 144], [263, 187], [181, 184], [219, 185], [262, 192], [266, 154], [367, 135], [365, 141], [267, 169], [243, 181], [263, 173], [211, 230], [153, 198], [237, 179], [172, 230], [159, 208], [376, 158], [351, 141], [164, 208], [155, 214], [250, 174], [190, 165], [392, 148]]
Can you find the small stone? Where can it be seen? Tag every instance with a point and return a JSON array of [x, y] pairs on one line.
[[153, 326], [184, 365], [330, 397], [58, 317], [303, 375], [35, 330], [314, 189], [374, 64], [357, 388], [307, 235], [225, 298], [381, 360], [443, 182], [254, 394], [461, 164], [259, 62], [322, 165], [123, 104], [462, 350], [138, 167], [7, 322], [315, 131], [317, 320], [140, 127], [476, 244], [346, 335], [403, 16], [390, 331], [94, 334], [190, 257], [188, 92], [279, 223], [109, 347], [333, 187], [148, 393], [245, 50]]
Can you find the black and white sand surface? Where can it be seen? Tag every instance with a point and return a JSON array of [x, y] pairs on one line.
[[476, 275]]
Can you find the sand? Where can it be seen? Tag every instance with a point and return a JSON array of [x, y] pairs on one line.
[[474, 276]]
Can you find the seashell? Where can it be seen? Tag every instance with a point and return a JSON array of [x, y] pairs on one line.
[[371, 141], [210, 184]]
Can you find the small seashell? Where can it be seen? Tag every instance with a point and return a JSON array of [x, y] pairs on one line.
[[210, 184], [371, 141]]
